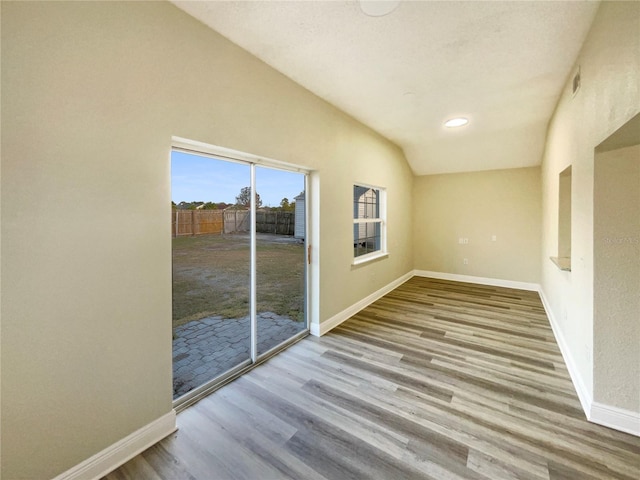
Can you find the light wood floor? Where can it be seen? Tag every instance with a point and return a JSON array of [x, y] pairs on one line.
[[437, 380]]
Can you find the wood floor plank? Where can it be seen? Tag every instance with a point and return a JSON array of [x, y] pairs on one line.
[[437, 380]]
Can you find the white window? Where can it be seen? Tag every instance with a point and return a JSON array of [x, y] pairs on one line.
[[369, 223]]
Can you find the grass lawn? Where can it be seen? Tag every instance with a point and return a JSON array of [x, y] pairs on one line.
[[211, 276]]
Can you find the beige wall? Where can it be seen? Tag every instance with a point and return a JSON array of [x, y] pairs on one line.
[[616, 327], [609, 96], [91, 95], [477, 206]]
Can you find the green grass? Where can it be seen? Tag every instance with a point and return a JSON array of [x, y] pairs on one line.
[[211, 277]]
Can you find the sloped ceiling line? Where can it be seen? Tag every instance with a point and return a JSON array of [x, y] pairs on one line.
[[500, 64]]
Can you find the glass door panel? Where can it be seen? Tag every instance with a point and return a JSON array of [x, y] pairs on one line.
[[210, 222], [280, 257]]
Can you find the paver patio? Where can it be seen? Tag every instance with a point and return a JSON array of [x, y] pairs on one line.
[[204, 349]]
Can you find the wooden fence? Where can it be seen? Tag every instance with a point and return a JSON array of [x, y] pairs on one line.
[[202, 222], [236, 221], [279, 223], [196, 222]]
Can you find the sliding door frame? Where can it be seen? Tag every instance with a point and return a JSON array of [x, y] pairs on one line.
[[220, 153]]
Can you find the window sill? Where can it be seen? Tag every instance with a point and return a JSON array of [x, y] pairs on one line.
[[370, 257], [563, 263]]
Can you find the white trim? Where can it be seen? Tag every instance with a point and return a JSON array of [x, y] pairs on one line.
[[617, 418], [368, 185], [112, 457], [349, 312], [583, 394], [357, 221], [199, 148], [369, 257], [613, 417], [253, 267], [494, 282], [312, 243], [314, 329]]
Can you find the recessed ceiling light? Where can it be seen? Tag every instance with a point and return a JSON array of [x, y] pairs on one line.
[[378, 8], [456, 122]]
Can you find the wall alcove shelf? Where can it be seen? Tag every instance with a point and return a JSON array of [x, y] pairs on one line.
[[563, 263]]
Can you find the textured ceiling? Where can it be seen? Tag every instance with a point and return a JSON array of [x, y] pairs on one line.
[[501, 64]]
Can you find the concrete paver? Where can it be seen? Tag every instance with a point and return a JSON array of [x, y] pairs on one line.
[[206, 348]]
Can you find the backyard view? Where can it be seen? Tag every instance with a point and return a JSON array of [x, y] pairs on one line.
[[211, 276], [212, 265]]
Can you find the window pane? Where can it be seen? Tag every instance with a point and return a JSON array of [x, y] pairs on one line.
[[366, 202], [366, 238], [280, 257], [367, 213]]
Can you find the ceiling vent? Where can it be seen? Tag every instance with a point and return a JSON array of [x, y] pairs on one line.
[[576, 82]]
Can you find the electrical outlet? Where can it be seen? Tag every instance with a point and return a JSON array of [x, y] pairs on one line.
[[494, 238], [465, 261]]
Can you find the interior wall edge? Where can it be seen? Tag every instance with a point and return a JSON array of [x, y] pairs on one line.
[[608, 97], [583, 393]]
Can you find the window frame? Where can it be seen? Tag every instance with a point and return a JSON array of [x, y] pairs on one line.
[[381, 220]]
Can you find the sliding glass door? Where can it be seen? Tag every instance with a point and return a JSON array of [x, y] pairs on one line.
[[280, 258], [211, 270], [239, 269]]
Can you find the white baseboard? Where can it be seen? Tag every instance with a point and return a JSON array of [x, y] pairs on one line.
[[337, 319], [494, 282], [606, 415], [583, 394], [112, 457], [314, 329], [616, 418]]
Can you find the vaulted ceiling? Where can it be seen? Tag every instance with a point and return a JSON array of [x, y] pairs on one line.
[[502, 65]]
